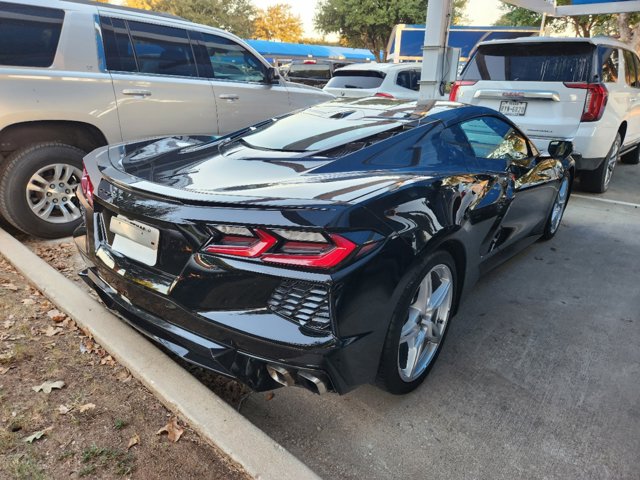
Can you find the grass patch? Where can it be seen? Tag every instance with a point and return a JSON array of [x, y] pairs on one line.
[[119, 424], [104, 457], [26, 468]]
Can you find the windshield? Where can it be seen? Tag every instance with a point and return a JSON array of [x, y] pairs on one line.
[[356, 79], [532, 62]]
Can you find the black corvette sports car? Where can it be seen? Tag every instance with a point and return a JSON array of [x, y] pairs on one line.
[[327, 248]]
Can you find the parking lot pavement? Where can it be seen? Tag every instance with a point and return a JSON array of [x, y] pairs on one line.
[[539, 378]]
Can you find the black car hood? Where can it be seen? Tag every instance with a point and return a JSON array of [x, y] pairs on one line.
[[193, 167]]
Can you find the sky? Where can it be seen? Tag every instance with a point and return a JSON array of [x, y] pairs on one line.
[[479, 12]]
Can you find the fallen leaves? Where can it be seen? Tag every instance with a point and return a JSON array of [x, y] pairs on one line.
[[107, 360], [63, 409], [10, 286], [37, 435], [47, 386], [4, 370], [172, 429], [135, 440], [50, 331], [8, 324], [28, 301], [86, 407], [56, 315], [7, 357]]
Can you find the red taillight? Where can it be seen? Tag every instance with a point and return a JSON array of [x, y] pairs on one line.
[[455, 88], [312, 254], [302, 249], [384, 95], [310, 62], [243, 246], [86, 186], [595, 101]]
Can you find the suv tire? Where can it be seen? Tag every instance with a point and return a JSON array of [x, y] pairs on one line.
[[37, 189], [633, 157], [598, 180]]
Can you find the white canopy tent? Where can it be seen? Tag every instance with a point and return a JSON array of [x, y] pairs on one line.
[[438, 60]]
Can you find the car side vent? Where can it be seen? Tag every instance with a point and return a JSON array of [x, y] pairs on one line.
[[343, 114], [303, 302], [344, 150]]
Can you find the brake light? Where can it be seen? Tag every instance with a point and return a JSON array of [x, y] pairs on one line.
[[310, 62], [284, 247], [384, 95], [243, 245], [455, 88], [595, 101], [86, 186], [313, 254]]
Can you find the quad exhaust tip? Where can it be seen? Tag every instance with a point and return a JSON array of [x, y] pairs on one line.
[[304, 379]]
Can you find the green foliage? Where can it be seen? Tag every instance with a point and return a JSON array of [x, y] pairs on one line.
[[518, 17], [368, 23], [235, 16]]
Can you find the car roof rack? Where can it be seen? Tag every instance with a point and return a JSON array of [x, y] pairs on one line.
[[111, 6]]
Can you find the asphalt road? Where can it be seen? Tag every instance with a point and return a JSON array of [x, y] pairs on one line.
[[539, 378]]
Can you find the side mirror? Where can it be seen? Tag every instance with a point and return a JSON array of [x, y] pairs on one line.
[[560, 149], [271, 75]]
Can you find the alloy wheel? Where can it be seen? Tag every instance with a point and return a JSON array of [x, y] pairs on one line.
[[611, 160], [51, 193], [426, 323], [559, 204]]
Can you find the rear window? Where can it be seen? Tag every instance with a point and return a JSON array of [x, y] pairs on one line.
[[532, 62], [29, 35], [310, 71], [356, 79]]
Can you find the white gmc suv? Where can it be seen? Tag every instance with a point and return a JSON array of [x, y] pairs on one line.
[[586, 90], [77, 75]]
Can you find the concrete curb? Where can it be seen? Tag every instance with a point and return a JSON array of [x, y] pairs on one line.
[[206, 413]]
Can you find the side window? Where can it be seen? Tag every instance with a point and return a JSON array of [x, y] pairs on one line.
[[117, 45], [492, 138], [609, 62], [29, 35], [630, 69], [231, 61], [162, 50], [409, 79], [445, 148]]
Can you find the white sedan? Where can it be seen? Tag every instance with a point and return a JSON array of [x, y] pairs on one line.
[[389, 80]]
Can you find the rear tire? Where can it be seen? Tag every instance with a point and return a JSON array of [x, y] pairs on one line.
[[37, 189], [632, 158], [422, 317], [598, 180]]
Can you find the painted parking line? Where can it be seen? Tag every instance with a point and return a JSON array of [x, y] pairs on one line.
[[606, 200]]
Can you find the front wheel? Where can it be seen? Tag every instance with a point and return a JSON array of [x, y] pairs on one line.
[[38, 189], [597, 181], [557, 211], [419, 325]]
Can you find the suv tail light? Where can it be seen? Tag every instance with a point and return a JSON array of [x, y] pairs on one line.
[[87, 186], [455, 88], [284, 247], [595, 101], [384, 95]]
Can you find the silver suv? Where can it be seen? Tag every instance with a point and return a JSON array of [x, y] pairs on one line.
[[77, 75]]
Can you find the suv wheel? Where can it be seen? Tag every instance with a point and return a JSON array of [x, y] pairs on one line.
[[632, 158], [38, 189], [598, 180]]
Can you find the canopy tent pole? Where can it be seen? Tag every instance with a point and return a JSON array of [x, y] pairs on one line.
[[434, 50]]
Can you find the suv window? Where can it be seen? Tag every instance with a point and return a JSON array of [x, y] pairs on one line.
[[492, 138], [409, 79], [162, 50], [230, 60], [609, 62], [29, 35], [117, 45], [532, 62], [356, 79], [630, 73], [310, 71]]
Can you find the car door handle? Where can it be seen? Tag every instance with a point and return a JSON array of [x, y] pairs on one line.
[[229, 96], [136, 92]]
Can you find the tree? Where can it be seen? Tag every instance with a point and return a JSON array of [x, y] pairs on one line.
[[277, 22], [518, 17], [629, 29], [235, 16], [368, 23]]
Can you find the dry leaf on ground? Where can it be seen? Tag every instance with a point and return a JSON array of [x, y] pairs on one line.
[[8, 323], [86, 406], [56, 315], [63, 409], [108, 360], [10, 286], [28, 301], [4, 370], [37, 435], [172, 429], [135, 440], [7, 357], [51, 331], [47, 386]]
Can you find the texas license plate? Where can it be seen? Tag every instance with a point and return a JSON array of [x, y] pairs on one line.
[[135, 240], [510, 107]]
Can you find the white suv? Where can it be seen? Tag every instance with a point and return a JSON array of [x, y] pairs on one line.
[[77, 75], [586, 90], [388, 80]]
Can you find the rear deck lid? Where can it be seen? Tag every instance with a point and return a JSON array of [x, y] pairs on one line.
[[355, 83], [531, 83]]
